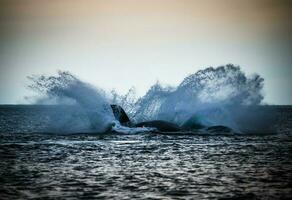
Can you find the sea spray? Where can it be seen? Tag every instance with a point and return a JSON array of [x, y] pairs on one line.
[[213, 96], [209, 94], [64, 86], [126, 101]]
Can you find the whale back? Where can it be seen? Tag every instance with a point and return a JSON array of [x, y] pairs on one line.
[[160, 125]]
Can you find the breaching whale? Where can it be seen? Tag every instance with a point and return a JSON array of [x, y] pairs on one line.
[[192, 124], [160, 125]]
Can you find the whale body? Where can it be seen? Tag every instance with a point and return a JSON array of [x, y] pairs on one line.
[[160, 125], [193, 123]]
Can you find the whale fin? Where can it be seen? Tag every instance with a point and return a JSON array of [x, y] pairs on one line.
[[121, 115]]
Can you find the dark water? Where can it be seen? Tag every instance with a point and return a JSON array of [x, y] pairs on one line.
[[35, 164]]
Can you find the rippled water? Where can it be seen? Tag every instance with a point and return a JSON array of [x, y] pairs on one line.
[[145, 166]]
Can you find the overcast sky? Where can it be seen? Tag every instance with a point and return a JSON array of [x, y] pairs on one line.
[[123, 43]]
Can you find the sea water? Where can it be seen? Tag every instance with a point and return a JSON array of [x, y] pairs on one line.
[[37, 162]]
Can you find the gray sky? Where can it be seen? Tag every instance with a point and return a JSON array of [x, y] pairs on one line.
[[123, 43]]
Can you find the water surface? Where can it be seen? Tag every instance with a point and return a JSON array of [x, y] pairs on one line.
[[35, 164]]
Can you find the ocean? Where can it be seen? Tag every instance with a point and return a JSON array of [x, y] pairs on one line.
[[39, 160]]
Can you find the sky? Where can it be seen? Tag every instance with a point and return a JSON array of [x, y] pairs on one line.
[[117, 44]]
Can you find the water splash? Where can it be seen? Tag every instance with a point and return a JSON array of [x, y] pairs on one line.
[[208, 94], [213, 95], [64, 87], [225, 85]]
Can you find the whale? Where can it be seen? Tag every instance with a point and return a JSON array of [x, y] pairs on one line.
[[192, 124], [160, 125]]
